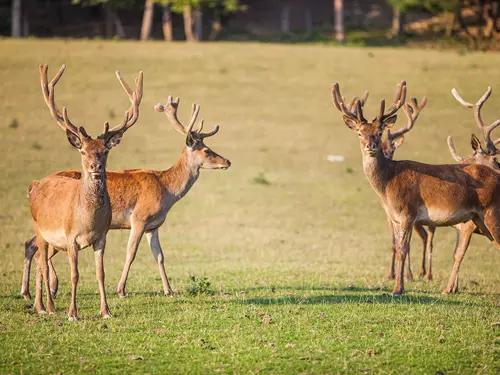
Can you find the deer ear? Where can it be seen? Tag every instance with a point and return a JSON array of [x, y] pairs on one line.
[[389, 122], [114, 140], [350, 123], [190, 141], [74, 139], [399, 141], [475, 143]]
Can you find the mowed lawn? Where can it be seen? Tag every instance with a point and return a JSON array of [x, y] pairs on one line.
[[296, 248]]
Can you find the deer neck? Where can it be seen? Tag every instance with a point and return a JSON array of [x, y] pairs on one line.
[[178, 179], [93, 192], [377, 170]]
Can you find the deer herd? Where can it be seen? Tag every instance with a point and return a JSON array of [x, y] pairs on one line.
[[74, 209]]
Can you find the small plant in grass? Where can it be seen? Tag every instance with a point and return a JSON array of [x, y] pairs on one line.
[[261, 179], [199, 285], [14, 124], [36, 146]]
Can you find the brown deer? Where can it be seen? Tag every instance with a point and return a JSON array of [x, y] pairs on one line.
[[141, 199], [417, 193], [389, 146], [71, 214], [483, 156]]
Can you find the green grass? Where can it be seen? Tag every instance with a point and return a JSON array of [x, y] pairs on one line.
[[296, 266]]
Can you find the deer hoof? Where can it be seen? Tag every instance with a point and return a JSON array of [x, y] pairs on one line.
[[73, 318]]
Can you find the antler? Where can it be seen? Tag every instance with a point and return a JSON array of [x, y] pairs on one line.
[[398, 103], [412, 110], [479, 121], [338, 101], [453, 152], [170, 110], [62, 119], [132, 114]]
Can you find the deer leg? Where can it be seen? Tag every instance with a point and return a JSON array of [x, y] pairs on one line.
[[43, 248], [133, 243], [154, 244], [99, 247], [402, 234], [422, 233], [30, 249], [54, 280], [73, 262], [430, 245], [409, 274], [39, 306], [392, 276], [464, 234]]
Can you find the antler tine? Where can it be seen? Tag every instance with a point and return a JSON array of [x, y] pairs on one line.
[[132, 114], [338, 101], [399, 101], [453, 152], [195, 110], [48, 95], [486, 129], [412, 110], [201, 135], [170, 110]]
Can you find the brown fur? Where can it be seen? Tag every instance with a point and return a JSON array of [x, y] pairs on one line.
[[140, 201], [416, 193], [71, 214]]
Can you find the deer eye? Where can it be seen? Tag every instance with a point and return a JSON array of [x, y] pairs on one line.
[[82, 152]]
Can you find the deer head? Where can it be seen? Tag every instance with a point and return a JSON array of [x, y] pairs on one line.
[[199, 154], [94, 152], [370, 133], [481, 155]]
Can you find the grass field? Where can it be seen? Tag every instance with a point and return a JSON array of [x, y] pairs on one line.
[[296, 249]]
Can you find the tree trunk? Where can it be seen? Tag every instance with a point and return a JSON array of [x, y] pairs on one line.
[[147, 20], [216, 28], [188, 23], [450, 24], [108, 22], [308, 21], [17, 18], [339, 20], [167, 23], [397, 23], [26, 25], [118, 25], [198, 24], [285, 18]]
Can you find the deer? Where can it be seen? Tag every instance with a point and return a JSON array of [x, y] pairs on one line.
[[417, 193], [393, 141], [482, 156], [72, 214], [141, 199]]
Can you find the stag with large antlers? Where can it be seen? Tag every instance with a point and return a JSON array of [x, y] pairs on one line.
[[481, 155], [417, 193], [392, 141], [141, 199], [71, 214]]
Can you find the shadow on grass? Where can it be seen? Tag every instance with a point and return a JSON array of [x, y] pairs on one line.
[[355, 299]]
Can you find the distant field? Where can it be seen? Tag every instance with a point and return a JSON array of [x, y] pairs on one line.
[[296, 248]]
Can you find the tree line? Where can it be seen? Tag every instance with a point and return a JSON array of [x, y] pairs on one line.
[[476, 20]]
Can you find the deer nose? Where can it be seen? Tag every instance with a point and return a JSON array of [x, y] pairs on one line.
[[96, 167], [228, 163]]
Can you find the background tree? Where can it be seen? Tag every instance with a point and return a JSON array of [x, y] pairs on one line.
[[401, 7], [339, 20], [112, 23], [192, 11]]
